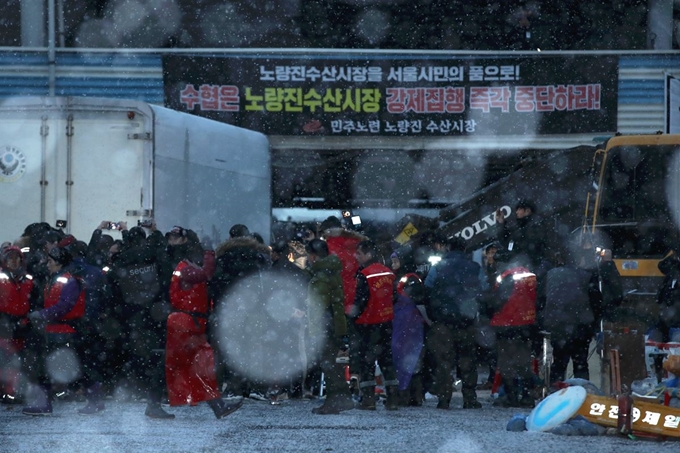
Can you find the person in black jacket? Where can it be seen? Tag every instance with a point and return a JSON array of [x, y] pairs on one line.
[[90, 345], [98, 248], [668, 297], [580, 294], [527, 240], [570, 315], [455, 289], [142, 311], [236, 259]]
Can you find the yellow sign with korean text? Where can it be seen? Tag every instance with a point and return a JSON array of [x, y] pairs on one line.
[[408, 231], [647, 417]]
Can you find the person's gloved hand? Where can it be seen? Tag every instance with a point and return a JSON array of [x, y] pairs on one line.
[[36, 320], [35, 316], [21, 328]]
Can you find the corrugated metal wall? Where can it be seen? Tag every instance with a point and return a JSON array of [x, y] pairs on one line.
[[113, 75], [641, 92], [139, 76]]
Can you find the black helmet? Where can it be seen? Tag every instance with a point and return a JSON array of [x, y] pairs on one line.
[[60, 255]]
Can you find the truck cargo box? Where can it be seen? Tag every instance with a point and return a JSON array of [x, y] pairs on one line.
[[85, 160]]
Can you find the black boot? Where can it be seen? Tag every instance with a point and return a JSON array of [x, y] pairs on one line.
[[526, 398], [416, 391], [42, 403], [470, 399], [94, 400], [403, 397], [367, 398], [510, 399], [392, 401], [221, 408], [334, 405], [154, 410]]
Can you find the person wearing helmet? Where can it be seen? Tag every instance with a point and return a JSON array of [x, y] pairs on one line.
[[513, 321], [528, 241], [373, 312], [531, 242], [187, 347], [16, 296], [64, 306]]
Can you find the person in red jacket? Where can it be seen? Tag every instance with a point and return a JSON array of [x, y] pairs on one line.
[[64, 306], [513, 323], [16, 289], [189, 359], [373, 312]]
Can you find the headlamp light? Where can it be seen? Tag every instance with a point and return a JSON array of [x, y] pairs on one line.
[[522, 275]]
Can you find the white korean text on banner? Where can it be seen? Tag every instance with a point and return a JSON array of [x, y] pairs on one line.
[[383, 95]]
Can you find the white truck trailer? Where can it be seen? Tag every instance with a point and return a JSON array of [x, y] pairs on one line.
[[84, 160]]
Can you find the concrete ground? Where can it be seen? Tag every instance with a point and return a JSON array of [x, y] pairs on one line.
[[291, 427]]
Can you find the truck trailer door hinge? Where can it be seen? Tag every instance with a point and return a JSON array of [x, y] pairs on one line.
[[69, 126], [44, 128], [142, 136]]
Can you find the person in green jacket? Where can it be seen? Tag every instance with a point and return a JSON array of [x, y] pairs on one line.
[[327, 323]]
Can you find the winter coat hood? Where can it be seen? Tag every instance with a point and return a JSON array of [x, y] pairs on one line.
[[237, 258], [241, 243]]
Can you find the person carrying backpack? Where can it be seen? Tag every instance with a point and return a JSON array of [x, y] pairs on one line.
[[454, 289], [90, 345]]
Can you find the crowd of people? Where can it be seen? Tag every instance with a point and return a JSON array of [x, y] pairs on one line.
[[162, 314]]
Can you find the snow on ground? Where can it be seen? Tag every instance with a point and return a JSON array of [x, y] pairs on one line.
[[291, 427]]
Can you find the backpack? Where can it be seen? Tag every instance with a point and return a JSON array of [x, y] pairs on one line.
[[451, 300], [139, 283]]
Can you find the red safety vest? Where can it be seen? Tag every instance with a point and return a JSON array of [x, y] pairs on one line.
[[52, 294], [15, 294], [380, 306], [520, 309], [194, 299]]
